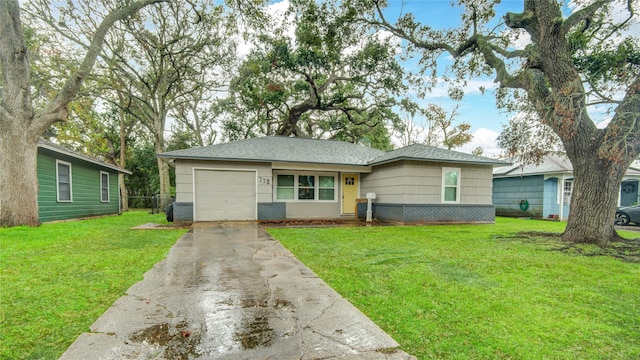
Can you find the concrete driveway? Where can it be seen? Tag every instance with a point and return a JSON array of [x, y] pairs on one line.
[[230, 291]]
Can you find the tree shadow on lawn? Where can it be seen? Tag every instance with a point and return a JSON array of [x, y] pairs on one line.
[[627, 250]]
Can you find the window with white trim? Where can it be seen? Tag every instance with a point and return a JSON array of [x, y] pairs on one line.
[[104, 186], [305, 187], [568, 188], [63, 181], [450, 185], [285, 187], [326, 188]]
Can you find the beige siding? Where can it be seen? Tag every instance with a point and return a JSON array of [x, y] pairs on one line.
[[414, 182], [309, 210], [387, 182], [184, 177], [476, 184]]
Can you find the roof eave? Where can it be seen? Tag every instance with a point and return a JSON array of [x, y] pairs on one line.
[[512, 174], [494, 164], [193, 157], [83, 158]]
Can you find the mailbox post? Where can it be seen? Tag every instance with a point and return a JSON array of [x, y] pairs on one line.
[[370, 197]]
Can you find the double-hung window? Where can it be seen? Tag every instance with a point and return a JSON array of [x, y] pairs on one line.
[[327, 188], [305, 187], [450, 185], [104, 186], [63, 181], [285, 187]]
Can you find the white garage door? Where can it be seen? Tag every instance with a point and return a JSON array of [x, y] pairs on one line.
[[224, 195]]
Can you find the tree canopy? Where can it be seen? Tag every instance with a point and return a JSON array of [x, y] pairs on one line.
[[333, 78], [574, 58]]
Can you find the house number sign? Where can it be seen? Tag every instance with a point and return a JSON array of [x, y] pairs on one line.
[[264, 180]]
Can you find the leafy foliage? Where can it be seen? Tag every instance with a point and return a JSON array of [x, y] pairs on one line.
[[332, 79]]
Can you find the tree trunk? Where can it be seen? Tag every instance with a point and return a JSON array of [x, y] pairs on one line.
[[124, 196], [593, 201], [18, 179], [163, 172]]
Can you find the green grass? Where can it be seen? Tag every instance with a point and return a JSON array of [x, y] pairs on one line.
[[57, 279], [481, 291]]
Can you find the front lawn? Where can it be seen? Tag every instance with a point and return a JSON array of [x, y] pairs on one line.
[[57, 279], [481, 291]]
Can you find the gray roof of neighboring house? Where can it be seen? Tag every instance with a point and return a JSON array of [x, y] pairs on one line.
[[550, 164], [423, 152], [303, 150], [45, 144]]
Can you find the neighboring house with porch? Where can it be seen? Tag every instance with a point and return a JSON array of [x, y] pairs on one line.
[[72, 185], [544, 190], [278, 178]]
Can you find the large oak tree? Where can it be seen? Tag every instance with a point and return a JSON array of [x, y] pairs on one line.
[[332, 78], [20, 123], [575, 57]]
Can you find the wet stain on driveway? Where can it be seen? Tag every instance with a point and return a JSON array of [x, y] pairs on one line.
[[230, 291]]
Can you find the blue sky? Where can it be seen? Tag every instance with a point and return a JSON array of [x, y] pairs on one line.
[[476, 108]]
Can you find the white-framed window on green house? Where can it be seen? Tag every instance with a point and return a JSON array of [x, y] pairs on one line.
[[293, 186], [285, 187], [63, 181], [104, 186], [450, 185]]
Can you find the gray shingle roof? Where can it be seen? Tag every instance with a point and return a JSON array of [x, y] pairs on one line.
[[45, 144], [282, 149], [302, 150], [423, 152], [550, 164]]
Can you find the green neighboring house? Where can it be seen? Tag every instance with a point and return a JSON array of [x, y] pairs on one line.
[[72, 185]]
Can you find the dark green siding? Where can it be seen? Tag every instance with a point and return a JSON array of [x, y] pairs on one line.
[[85, 189]]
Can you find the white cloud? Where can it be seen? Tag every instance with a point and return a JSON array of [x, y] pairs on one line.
[[486, 139], [522, 40], [604, 123]]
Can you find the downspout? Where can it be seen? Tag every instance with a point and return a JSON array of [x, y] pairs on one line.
[[119, 195]]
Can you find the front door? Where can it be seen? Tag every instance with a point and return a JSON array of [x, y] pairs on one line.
[[349, 193], [629, 193]]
